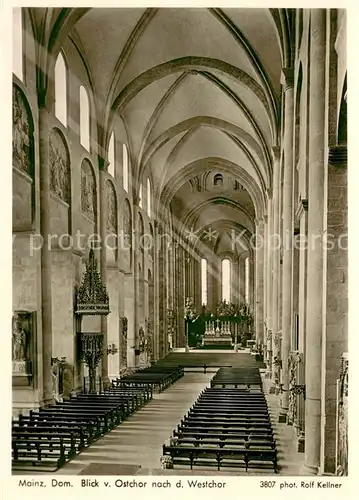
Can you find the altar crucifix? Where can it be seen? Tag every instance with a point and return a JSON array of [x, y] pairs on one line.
[[218, 321]]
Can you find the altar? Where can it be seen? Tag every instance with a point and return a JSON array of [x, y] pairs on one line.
[[217, 333]]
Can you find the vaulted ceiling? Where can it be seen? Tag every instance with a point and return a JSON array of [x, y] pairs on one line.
[[198, 91]]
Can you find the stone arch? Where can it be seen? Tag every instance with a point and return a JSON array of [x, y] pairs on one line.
[[204, 164], [181, 64], [88, 190]]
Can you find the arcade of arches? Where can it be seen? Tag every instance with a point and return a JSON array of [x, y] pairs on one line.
[[202, 154]]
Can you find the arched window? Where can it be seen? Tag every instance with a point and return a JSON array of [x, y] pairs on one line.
[[218, 180], [125, 167], [111, 155], [246, 290], [17, 43], [226, 280], [61, 90], [204, 281], [140, 194], [84, 118], [149, 194]]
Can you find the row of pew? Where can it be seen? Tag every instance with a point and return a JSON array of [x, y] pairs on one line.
[[227, 427], [47, 438], [158, 377], [238, 378]]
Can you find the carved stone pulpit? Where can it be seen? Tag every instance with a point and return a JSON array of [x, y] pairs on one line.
[[91, 300]]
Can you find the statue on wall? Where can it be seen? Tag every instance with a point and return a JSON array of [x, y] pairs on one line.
[[22, 138], [60, 177], [19, 340], [142, 339], [111, 208], [343, 416], [149, 335], [88, 190], [124, 325]]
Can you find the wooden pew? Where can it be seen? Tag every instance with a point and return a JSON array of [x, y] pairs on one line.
[[222, 457]]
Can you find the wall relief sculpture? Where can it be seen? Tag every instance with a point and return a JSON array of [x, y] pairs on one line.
[[88, 190], [22, 138], [111, 208], [60, 175]]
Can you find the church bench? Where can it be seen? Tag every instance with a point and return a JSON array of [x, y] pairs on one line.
[[235, 400], [189, 420], [87, 431], [212, 404], [128, 404], [203, 366], [224, 425], [236, 393], [224, 384], [144, 393], [74, 440], [208, 410], [51, 444], [225, 433], [52, 415], [222, 457], [106, 421], [243, 400], [219, 415], [114, 414], [158, 380], [199, 441], [39, 455]]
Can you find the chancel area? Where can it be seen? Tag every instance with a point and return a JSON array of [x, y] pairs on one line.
[[180, 284]]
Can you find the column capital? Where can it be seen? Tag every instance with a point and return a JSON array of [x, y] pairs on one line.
[[270, 193], [287, 78], [276, 150]]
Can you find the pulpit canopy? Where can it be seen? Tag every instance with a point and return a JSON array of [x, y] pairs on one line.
[[92, 297]]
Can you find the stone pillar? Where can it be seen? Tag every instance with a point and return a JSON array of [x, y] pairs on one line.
[[210, 283], [287, 82], [103, 259], [156, 287], [251, 283], [259, 319], [242, 279], [45, 216], [268, 272], [181, 298], [274, 245], [314, 329]]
